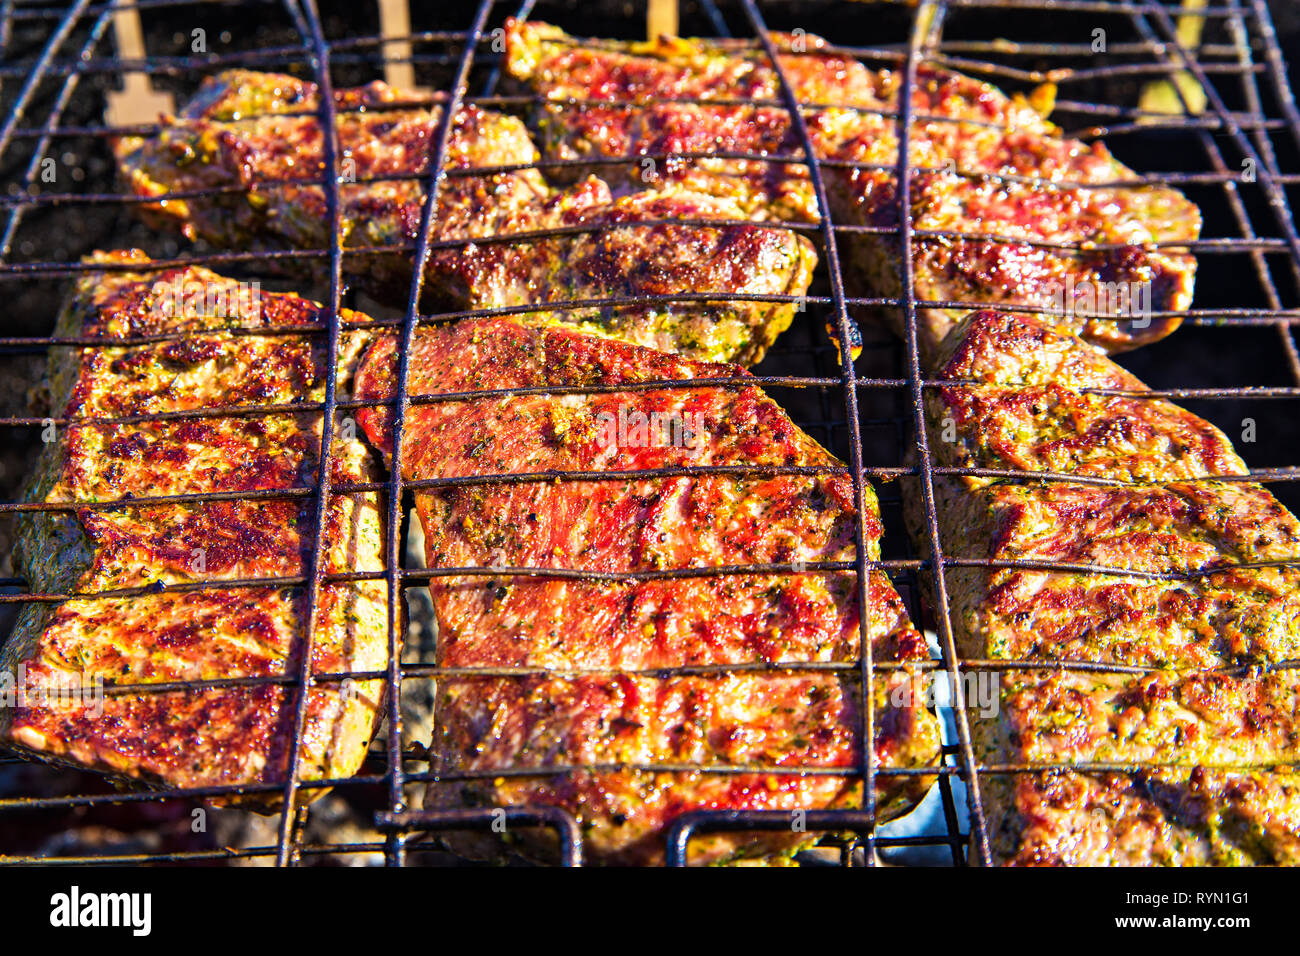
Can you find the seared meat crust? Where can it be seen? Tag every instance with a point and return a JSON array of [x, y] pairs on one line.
[[207, 737], [640, 82], [255, 133], [972, 147], [602, 706], [1059, 237], [609, 258], [1186, 605]]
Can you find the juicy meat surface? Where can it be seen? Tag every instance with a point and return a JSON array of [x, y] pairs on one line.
[[1053, 223], [253, 136], [1032, 206], [611, 737], [1187, 605], [257, 136], [620, 103], [609, 258], [228, 736]]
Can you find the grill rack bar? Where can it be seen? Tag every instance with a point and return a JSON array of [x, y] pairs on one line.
[[567, 831], [1215, 157], [46, 134], [567, 828], [1239, 124], [319, 58], [928, 15], [847, 333]]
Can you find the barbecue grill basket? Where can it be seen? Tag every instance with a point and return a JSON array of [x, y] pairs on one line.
[[74, 75]]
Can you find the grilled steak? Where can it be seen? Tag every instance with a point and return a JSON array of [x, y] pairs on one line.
[[203, 737], [608, 258], [1199, 626], [611, 738], [1054, 232], [255, 137], [622, 101], [1052, 222], [252, 136]]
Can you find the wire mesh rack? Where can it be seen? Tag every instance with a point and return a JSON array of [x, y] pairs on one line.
[[57, 69]]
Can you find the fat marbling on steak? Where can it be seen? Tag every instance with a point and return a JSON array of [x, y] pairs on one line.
[[1192, 608], [251, 136], [226, 736], [1047, 221], [602, 707]]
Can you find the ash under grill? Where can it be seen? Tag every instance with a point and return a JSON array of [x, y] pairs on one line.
[[1233, 361]]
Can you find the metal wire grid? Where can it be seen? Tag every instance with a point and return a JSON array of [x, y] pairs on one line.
[[1249, 132]]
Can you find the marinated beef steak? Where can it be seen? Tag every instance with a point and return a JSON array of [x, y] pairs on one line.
[[612, 739], [60, 655], [254, 135], [610, 258], [1052, 222], [623, 101], [1177, 593], [1055, 224]]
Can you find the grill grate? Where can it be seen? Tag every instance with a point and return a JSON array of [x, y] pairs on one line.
[[870, 412]]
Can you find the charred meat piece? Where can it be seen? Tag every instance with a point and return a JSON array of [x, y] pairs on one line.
[[565, 67], [1045, 221], [604, 255], [1179, 598], [62, 654], [633, 101], [254, 137], [614, 740]]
